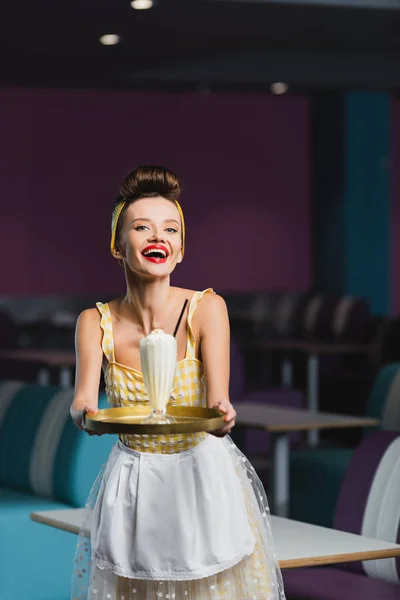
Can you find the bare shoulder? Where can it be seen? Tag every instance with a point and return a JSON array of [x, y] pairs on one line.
[[213, 302], [88, 317], [88, 333], [88, 328], [211, 309]]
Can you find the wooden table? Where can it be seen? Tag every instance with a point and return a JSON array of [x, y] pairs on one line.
[[297, 544], [280, 421], [62, 360], [314, 351]]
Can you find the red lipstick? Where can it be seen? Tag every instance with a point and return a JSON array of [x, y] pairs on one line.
[[156, 253]]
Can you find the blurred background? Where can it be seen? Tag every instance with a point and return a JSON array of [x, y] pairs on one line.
[[283, 119]]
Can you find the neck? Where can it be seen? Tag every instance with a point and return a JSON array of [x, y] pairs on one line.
[[149, 302]]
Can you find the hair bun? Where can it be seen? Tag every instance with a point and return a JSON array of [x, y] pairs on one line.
[[151, 180]]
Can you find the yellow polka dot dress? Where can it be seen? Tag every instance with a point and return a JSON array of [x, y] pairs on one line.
[[181, 517]]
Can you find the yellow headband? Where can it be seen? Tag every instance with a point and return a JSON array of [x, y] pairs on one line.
[[117, 212]]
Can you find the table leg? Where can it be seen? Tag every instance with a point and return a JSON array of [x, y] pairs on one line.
[[43, 377], [312, 394], [287, 372], [65, 377], [281, 466]]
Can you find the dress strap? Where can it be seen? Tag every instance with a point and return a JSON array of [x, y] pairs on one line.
[[191, 340], [106, 324]]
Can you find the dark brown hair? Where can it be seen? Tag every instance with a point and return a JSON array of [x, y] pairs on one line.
[[147, 181]]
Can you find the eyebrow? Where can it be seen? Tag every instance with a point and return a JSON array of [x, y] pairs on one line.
[[148, 220]]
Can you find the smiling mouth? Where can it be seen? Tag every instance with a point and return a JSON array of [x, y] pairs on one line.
[[155, 254]]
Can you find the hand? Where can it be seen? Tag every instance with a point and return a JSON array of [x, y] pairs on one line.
[[225, 407], [78, 417], [89, 410]]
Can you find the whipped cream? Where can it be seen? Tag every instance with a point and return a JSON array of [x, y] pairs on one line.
[[158, 354]]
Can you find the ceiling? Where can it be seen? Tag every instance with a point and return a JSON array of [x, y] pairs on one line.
[[200, 44]]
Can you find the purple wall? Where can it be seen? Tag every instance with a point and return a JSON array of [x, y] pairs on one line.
[[244, 159]]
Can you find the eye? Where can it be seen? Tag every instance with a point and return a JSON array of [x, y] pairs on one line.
[[171, 230], [141, 228]]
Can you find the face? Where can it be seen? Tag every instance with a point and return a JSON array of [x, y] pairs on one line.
[[151, 239]]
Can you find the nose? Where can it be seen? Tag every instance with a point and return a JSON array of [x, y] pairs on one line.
[[157, 236]]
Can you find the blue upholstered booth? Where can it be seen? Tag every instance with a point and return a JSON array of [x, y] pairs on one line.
[[45, 464]]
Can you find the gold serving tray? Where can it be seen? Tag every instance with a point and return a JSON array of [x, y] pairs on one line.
[[189, 419]]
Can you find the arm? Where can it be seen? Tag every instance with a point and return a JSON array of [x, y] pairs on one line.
[[214, 336], [89, 356]]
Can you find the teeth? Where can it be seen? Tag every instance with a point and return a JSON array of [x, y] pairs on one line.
[[160, 250]]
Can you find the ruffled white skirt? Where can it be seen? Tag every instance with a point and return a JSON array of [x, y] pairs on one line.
[[188, 526]]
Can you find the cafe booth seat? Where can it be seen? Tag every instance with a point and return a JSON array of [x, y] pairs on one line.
[[46, 463], [326, 467], [335, 584], [368, 504]]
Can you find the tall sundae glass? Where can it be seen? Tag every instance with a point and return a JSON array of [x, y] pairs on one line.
[[158, 354]]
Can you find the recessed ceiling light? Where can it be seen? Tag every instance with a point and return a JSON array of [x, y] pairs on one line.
[[142, 4], [279, 88], [109, 39]]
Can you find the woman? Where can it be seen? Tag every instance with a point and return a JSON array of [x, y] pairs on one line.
[[178, 516]]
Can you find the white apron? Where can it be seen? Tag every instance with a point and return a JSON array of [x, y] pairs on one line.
[[170, 516]]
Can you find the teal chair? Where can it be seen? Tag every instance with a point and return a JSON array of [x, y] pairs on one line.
[[46, 463], [316, 474]]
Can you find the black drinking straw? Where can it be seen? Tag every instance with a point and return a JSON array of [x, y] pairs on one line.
[[180, 317]]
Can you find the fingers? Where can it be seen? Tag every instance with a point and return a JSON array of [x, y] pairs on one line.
[[81, 424], [229, 412], [225, 430], [79, 419], [226, 408], [229, 426], [230, 416], [90, 410]]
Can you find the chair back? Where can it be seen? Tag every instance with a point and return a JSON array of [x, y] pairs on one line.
[[369, 500]]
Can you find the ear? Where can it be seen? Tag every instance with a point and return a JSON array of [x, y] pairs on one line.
[[118, 254], [180, 257]]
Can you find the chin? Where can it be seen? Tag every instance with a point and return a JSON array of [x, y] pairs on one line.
[[154, 272]]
